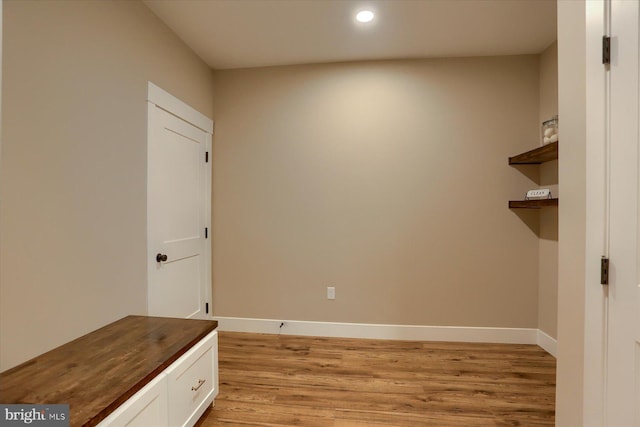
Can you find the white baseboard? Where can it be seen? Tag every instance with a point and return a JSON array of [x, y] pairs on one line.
[[549, 344], [375, 331]]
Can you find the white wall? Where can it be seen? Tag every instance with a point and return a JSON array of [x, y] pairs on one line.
[[572, 209], [388, 180], [73, 176], [1, 7], [548, 270]]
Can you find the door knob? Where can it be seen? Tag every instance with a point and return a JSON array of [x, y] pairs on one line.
[[161, 258]]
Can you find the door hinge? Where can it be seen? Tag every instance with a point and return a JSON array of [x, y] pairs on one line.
[[206, 232], [606, 50], [206, 307], [206, 157], [604, 271]]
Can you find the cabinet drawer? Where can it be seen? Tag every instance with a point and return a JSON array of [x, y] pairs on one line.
[[192, 382], [148, 407]]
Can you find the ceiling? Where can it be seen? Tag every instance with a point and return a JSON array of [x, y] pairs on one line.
[[257, 33]]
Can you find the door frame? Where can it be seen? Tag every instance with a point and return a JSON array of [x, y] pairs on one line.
[[169, 103], [598, 165], [595, 235]]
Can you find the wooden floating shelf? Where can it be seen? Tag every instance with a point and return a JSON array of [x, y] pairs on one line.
[[532, 204], [543, 154]]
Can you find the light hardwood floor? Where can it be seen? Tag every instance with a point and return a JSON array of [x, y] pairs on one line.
[[271, 380]]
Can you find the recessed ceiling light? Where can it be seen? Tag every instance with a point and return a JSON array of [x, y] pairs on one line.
[[365, 16]]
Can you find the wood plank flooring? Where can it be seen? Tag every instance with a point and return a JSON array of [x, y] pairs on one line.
[[272, 380]]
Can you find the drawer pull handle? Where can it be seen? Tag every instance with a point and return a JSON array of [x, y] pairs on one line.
[[200, 382]]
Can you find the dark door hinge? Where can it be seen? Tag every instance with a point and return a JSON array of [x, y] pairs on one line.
[[206, 157], [606, 50], [206, 307], [604, 271], [206, 232]]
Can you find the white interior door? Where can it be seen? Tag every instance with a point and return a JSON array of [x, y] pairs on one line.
[[622, 401], [178, 251], [612, 331]]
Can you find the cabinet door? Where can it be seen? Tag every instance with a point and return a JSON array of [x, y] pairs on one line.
[[148, 407], [193, 382]]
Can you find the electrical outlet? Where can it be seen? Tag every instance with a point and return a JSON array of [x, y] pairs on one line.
[[331, 292]]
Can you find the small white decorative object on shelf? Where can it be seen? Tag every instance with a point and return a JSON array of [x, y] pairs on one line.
[[550, 130], [541, 193]]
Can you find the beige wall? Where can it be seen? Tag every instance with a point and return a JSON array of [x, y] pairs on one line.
[[73, 183], [571, 250], [548, 273], [387, 180]]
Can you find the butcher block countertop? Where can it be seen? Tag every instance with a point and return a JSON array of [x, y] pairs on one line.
[[99, 371]]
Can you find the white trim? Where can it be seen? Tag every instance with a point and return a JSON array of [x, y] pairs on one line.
[[208, 245], [548, 344], [177, 107], [376, 331], [595, 235]]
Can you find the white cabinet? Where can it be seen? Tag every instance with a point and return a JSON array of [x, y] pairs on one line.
[[178, 396], [148, 407], [192, 382]]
